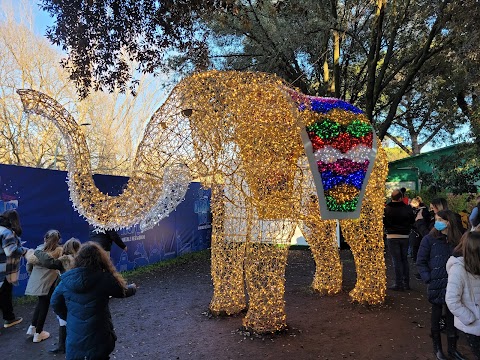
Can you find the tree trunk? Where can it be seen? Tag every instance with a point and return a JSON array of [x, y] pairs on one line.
[[372, 59]]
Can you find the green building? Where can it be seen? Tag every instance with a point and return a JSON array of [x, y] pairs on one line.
[[405, 172]]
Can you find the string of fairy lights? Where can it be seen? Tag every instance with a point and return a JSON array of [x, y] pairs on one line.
[[239, 134], [156, 187]]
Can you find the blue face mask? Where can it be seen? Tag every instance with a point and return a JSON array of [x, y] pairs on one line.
[[439, 225]]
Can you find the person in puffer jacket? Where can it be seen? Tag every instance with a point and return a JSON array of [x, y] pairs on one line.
[[435, 250], [463, 289], [82, 297]]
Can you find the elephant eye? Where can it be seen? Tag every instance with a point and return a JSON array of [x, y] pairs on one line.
[[187, 112]]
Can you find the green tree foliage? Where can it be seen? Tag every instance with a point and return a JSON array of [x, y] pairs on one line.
[[428, 114], [457, 173], [401, 60], [104, 37], [461, 64]]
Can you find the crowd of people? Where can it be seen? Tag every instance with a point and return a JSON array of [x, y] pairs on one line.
[[447, 259], [76, 280]]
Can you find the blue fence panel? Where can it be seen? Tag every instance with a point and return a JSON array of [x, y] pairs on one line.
[[41, 198]]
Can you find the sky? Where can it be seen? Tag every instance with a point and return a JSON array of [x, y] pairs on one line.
[[151, 93], [42, 19], [23, 9]]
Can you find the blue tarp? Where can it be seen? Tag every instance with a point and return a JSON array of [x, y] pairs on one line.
[[41, 198]]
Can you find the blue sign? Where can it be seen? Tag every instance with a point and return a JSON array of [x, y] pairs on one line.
[[42, 200]]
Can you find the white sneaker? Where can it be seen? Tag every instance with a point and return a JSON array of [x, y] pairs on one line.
[[42, 336], [31, 330]]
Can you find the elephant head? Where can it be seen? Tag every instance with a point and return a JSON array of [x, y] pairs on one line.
[[213, 126], [199, 132]]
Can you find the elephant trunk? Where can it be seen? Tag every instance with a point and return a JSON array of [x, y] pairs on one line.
[[158, 185]]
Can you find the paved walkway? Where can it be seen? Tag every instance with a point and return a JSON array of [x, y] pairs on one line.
[[168, 319]]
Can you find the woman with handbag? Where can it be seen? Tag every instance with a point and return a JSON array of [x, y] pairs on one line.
[[463, 289]]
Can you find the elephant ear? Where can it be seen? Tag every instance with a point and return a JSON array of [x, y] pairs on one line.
[[341, 147]]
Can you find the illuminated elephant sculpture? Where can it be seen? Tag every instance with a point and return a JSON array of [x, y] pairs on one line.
[[252, 140]]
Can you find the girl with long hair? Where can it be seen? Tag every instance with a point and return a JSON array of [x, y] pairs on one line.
[[435, 250], [41, 283], [62, 264], [82, 299], [463, 289], [12, 221]]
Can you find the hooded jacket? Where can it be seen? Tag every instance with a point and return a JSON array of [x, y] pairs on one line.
[[81, 299], [106, 239], [463, 296]]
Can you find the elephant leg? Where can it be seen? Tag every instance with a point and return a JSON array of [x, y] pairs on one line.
[[320, 234], [265, 274], [322, 238], [365, 237], [229, 226], [368, 250]]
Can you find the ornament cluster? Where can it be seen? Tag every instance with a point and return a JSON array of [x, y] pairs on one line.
[[342, 139]]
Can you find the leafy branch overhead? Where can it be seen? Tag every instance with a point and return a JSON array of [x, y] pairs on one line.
[[378, 55], [103, 36]]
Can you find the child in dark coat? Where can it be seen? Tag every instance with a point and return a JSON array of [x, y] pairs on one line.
[[82, 299], [435, 250]]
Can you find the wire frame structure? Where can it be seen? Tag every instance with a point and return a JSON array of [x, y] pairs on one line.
[[250, 139]]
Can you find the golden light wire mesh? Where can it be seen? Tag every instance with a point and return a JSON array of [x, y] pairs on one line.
[[365, 237], [239, 133], [158, 184]]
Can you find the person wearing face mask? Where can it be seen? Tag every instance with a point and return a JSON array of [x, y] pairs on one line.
[[435, 250], [424, 224]]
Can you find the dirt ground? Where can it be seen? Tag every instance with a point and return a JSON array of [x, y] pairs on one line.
[[168, 319]]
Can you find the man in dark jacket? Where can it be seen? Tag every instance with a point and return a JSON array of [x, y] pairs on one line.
[[398, 221], [105, 239]]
